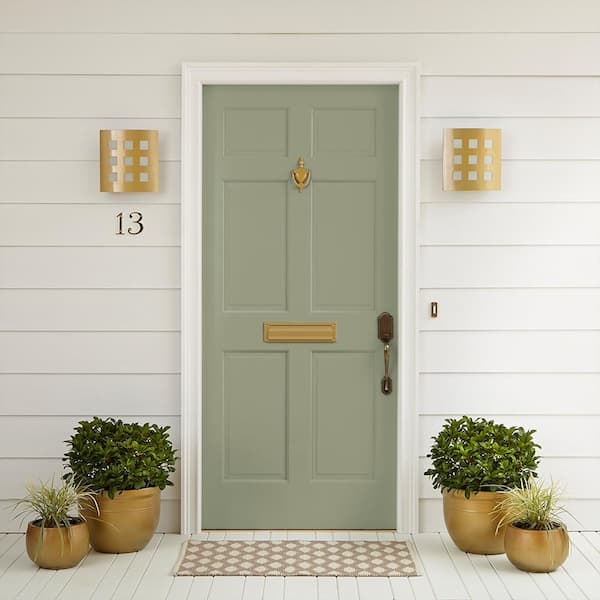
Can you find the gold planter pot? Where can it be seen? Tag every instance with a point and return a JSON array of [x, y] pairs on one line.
[[126, 522], [536, 551], [470, 524], [48, 552]]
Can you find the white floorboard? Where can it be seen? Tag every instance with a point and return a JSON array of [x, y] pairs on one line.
[[448, 574], [490, 579]]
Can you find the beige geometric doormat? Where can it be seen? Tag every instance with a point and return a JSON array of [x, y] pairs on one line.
[[294, 558]]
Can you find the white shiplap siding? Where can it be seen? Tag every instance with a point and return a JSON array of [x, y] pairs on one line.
[[89, 322], [516, 276]]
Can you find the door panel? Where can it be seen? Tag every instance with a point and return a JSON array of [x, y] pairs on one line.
[[255, 417], [254, 246], [298, 435], [343, 447], [344, 131], [343, 258], [251, 131]]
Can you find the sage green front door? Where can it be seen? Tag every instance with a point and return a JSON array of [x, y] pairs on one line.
[[298, 434]]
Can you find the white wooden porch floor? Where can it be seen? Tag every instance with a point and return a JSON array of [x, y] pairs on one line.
[[448, 574]]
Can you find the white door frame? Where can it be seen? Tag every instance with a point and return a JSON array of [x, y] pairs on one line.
[[194, 76]]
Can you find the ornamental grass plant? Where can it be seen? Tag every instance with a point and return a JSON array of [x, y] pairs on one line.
[[532, 505], [55, 505]]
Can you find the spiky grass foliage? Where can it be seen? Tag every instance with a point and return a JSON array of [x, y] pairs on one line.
[[55, 505], [533, 505]]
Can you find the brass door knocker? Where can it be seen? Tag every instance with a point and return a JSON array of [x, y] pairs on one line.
[[301, 175]]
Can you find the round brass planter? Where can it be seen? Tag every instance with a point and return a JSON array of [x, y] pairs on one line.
[[470, 524], [48, 552], [536, 551], [126, 522]]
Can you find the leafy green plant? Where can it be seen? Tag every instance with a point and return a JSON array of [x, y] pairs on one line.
[[108, 454], [55, 505], [478, 454], [532, 505]]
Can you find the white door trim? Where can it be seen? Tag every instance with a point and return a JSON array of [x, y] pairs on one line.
[[194, 76]]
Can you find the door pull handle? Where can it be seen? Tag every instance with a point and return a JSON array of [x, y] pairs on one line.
[[385, 332]]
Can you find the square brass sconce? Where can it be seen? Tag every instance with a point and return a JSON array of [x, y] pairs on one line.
[[472, 159], [128, 160]]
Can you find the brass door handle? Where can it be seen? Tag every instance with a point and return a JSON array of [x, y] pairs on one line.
[[385, 332]]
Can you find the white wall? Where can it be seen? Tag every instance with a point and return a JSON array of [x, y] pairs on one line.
[[89, 321]]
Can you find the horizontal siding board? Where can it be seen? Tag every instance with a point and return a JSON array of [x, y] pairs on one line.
[[471, 310], [586, 515], [78, 96], [264, 16], [89, 267], [90, 394], [89, 310], [510, 97], [162, 54], [77, 182], [524, 139], [80, 225], [510, 351], [44, 437], [559, 436], [76, 139], [493, 224], [85, 352], [522, 181], [169, 517], [570, 474], [17, 473], [494, 266], [509, 393]]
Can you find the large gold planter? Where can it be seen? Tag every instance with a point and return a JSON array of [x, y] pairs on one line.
[[470, 524], [48, 552], [536, 551], [126, 522]]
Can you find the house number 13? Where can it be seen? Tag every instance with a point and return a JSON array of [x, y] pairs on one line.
[[135, 218]]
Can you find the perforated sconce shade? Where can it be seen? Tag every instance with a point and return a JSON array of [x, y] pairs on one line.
[[472, 159], [128, 160]]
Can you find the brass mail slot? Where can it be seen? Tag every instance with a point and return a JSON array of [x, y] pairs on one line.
[[295, 331]]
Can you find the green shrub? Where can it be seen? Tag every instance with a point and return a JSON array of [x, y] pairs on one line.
[[477, 454], [110, 455]]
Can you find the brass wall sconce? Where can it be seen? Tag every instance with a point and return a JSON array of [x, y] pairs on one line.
[[472, 159], [128, 160]]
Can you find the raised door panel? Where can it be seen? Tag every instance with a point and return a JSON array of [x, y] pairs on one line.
[[255, 415], [255, 246], [345, 131], [343, 252], [247, 131], [343, 412]]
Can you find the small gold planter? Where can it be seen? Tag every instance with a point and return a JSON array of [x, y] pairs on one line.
[[49, 552], [536, 551], [470, 524], [126, 522]]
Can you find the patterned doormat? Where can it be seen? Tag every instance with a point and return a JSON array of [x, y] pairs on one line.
[[294, 558]]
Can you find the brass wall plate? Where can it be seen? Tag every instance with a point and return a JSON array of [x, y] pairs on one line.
[[472, 159], [128, 160], [295, 331]]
